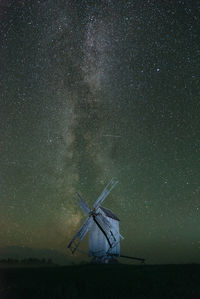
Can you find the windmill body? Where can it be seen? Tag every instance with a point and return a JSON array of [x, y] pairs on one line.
[[103, 227], [98, 243]]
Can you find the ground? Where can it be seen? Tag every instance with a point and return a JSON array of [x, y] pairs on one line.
[[101, 281]]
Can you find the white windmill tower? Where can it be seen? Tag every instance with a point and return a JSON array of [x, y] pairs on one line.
[[103, 227]]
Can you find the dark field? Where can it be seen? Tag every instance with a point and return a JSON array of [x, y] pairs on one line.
[[101, 281]]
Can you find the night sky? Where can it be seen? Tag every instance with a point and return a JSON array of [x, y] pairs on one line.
[[91, 90]]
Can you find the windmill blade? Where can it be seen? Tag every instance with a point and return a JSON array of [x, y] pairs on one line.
[[73, 245], [105, 192], [121, 237], [82, 204], [107, 229], [103, 219]]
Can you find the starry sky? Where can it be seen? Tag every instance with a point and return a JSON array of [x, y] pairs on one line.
[[92, 90]]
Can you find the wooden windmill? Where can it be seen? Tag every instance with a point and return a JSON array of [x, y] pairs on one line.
[[103, 227]]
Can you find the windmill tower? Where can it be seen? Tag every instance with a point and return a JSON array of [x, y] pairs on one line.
[[103, 227]]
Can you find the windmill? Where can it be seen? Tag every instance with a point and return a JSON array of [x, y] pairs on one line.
[[103, 227]]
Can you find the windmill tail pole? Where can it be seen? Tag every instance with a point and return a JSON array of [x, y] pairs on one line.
[[133, 258]]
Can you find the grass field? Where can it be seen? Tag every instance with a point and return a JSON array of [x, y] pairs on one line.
[[101, 281]]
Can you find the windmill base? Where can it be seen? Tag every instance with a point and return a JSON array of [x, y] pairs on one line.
[[106, 259]]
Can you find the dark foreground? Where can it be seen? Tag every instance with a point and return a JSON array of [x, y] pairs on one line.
[[101, 281]]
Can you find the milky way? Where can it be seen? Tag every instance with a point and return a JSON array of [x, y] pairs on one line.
[[92, 90]]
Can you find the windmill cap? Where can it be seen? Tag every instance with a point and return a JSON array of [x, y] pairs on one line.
[[109, 213]]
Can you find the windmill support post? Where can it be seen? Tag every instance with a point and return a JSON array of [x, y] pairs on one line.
[[133, 258]]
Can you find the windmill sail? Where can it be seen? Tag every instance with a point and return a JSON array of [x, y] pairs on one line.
[[73, 245], [82, 204], [105, 192], [107, 229]]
